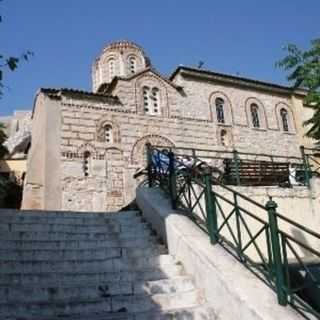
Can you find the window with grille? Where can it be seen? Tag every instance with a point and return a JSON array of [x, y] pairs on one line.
[[284, 119], [132, 64], [111, 64], [108, 133], [220, 110], [254, 109], [151, 100], [86, 159]]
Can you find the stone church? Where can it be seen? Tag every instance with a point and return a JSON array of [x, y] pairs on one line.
[[86, 146]]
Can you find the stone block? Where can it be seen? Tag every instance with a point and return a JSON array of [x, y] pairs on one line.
[[86, 136]]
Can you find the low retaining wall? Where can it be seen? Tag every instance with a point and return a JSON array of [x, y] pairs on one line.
[[232, 290]]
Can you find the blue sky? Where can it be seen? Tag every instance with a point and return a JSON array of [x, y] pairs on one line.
[[231, 36]]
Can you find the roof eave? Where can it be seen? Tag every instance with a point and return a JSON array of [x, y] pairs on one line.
[[239, 81]]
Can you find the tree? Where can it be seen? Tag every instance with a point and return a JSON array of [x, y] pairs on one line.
[[304, 72], [10, 63]]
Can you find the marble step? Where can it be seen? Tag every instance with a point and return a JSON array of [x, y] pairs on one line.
[[71, 291], [141, 241], [68, 214], [132, 303], [45, 219], [55, 227], [112, 264], [60, 235], [113, 250], [60, 278], [202, 312]]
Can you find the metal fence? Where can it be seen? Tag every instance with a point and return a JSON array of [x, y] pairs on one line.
[[233, 167], [257, 235]]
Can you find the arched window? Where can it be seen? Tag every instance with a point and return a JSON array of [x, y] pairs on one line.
[[132, 64], [220, 110], [284, 119], [146, 99], [111, 66], [223, 137], [108, 133], [151, 100], [86, 158], [155, 100], [254, 110]]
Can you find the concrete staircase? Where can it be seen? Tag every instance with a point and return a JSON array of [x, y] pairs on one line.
[[90, 266]]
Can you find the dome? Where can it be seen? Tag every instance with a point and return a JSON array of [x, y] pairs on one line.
[[118, 59]]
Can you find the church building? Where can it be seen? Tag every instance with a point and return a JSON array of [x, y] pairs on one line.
[[87, 146]]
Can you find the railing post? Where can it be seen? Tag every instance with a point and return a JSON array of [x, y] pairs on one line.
[[149, 165], [211, 208], [236, 163], [237, 212], [172, 180], [306, 166], [271, 207]]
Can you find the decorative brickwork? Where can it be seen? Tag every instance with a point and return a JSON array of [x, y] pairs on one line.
[[187, 118]]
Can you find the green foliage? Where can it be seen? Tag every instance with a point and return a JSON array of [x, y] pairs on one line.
[[10, 63], [3, 137], [10, 193], [304, 72]]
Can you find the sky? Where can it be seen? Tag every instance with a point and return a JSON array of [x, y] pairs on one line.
[[238, 37]]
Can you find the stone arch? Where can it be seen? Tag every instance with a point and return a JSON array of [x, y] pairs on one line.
[[262, 113], [138, 154], [228, 107], [291, 119], [87, 147], [102, 123], [151, 81]]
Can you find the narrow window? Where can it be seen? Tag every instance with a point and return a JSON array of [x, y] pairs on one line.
[[155, 101], [223, 137], [220, 110], [86, 158], [254, 109], [132, 64], [151, 100], [108, 134], [111, 69], [284, 119], [146, 99]]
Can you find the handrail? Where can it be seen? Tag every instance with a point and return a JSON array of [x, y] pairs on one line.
[[256, 238], [228, 151]]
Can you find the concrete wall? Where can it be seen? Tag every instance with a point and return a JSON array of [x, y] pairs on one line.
[[233, 291], [42, 189]]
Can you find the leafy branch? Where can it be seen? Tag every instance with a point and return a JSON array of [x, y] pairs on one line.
[[304, 71]]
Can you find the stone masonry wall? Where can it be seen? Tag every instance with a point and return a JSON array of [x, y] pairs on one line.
[[186, 119]]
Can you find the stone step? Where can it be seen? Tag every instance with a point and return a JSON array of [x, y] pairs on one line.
[[134, 303], [60, 278], [202, 312], [71, 291], [78, 244], [113, 250], [66, 236], [69, 214], [45, 219], [112, 264], [55, 227]]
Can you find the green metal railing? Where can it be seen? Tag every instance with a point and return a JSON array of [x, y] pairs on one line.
[[272, 246], [231, 166], [311, 163]]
